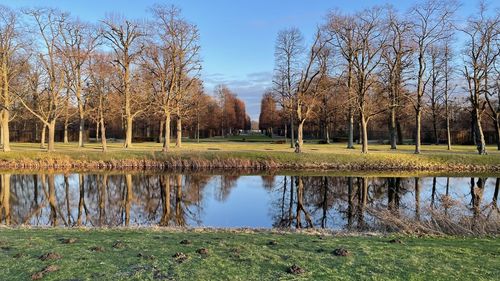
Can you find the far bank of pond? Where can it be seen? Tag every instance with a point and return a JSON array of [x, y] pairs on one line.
[[263, 158]]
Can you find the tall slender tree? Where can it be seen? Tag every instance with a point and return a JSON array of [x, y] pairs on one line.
[[124, 37], [431, 24]]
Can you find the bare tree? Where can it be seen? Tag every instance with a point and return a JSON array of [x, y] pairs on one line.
[[342, 29], [288, 50], [448, 89], [305, 96], [434, 81], [124, 36], [101, 76], [396, 59], [173, 60], [369, 41], [50, 101], [79, 41], [492, 98], [10, 67], [432, 23], [491, 63], [479, 60]]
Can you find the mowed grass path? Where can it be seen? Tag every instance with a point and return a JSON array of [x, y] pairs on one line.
[[148, 255], [263, 149]]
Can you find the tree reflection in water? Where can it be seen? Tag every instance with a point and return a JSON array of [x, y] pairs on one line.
[[342, 203]]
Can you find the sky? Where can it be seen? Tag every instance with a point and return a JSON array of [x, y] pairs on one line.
[[237, 37]]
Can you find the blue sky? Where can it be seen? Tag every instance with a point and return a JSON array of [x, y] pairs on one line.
[[237, 37]]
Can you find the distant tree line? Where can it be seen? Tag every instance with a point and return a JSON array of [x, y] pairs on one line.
[[389, 75], [64, 79]]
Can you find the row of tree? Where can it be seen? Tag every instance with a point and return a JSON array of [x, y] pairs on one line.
[[56, 68], [381, 62]]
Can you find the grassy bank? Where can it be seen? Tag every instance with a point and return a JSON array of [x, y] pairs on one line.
[[252, 155], [79, 254]]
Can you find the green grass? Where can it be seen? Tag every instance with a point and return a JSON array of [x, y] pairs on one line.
[[243, 256], [314, 154]]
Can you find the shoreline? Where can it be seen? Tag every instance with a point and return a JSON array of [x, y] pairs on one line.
[[250, 157], [201, 162]]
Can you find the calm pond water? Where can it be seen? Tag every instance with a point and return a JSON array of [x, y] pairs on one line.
[[261, 201]]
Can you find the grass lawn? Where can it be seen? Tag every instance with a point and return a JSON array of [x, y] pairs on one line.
[[255, 149], [149, 255]]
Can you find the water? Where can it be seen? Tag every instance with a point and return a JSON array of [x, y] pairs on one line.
[[258, 201]]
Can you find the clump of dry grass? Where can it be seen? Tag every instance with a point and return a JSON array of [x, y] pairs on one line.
[[438, 223]]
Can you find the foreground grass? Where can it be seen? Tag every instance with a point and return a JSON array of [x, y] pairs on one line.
[[147, 255], [315, 155]]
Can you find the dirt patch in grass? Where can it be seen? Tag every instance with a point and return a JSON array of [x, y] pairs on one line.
[[40, 274], [203, 251], [296, 270], [146, 256], [341, 252], [119, 245], [68, 240], [180, 257], [396, 241], [50, 256], [98, 249]]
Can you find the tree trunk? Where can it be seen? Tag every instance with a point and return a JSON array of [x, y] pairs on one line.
[[178, 140], [81, 200], [417, 199], [300, 136], [420, 93], [418, 120], [286, 132], [364, 133], [42, 138], [179, 213], [165, 218], [97, 128], [479, 135], [128, 132], [5, 198], [1, 131], [52, 133], [166, 139], [103, 134], [350, 130], [81, 129], [392, 128], [52, 198], [360, 131], [399, 132], [198, 128], [292, 132], [128, 198], [350, 117], [5, 131], [66, 140], [5, 116], [495, 193], [497, 129], [160, 136], [327, 132], [448, 129]]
